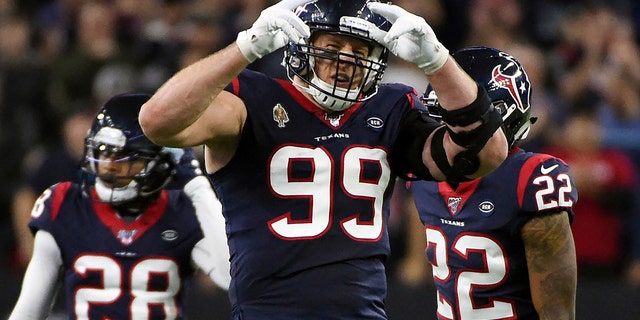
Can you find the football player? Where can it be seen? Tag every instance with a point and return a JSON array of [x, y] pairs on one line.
[[305, 168], [501, 246], [121, 242]]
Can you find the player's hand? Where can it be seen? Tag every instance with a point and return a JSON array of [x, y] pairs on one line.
[[410, 37], [276, 26]]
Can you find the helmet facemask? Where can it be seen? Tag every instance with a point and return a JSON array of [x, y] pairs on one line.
[[516, 126], [360, 76], [363, 75]]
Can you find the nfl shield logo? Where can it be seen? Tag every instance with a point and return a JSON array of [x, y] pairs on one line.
[[453, 204], [126, 236]]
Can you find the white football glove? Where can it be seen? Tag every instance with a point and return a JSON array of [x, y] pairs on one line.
[[275, 27], [410, 37]]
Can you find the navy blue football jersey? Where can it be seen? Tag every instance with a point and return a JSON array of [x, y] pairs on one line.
[[473, 234], [118, 270], [306, 202]]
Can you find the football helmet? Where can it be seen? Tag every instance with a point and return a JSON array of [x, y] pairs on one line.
[[350, 18], [507, 85], [116, 131]]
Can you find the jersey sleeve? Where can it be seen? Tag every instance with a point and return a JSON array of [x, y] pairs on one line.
[[47, 206], [414, 130], [40, 278], [211, 254], [245, 80], [545, 185]]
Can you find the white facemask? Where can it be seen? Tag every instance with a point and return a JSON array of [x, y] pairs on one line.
[[328, 102], [116, 195]]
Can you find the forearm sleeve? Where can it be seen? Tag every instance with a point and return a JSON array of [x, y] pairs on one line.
[[211, 254], [40, 278]]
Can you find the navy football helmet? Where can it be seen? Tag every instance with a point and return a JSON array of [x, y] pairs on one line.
[[506, 82], [116, 132], [348, 18]]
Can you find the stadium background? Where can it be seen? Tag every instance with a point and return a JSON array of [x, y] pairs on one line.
[[61, 58]]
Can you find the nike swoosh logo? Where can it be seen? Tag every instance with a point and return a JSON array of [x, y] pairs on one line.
[[548, 170]]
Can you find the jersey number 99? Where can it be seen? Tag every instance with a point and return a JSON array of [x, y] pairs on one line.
[[319, 188]]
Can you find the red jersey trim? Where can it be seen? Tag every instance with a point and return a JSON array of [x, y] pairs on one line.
[[235, 85], [462, 194], [153, 213], [526, 172], [312, 108], [58, 197]]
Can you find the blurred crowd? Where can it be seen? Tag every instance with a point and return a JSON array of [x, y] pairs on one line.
[[61, 59]]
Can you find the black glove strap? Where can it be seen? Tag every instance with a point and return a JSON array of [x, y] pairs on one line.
[[475, 139], [481, 109], [439, 155]]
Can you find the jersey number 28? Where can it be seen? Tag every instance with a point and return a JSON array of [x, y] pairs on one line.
[[139, 278]]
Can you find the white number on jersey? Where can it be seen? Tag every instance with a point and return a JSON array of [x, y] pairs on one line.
[[319, 187], [139, 277], [549, 188], [495, 271]]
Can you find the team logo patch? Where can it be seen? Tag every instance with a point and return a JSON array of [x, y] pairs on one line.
[[375, 123], [126, 236], [486, 207], [280, 115], [169, 235], [453, 204]]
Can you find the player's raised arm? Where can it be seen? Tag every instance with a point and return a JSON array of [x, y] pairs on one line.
[[470, 146], [191, 107]]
